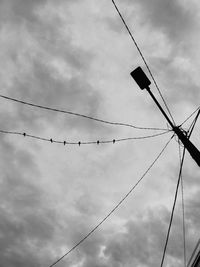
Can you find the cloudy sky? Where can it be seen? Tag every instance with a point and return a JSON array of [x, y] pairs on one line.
[[76, 55]]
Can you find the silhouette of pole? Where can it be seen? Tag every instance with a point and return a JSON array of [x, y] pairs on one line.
[[142, 80]]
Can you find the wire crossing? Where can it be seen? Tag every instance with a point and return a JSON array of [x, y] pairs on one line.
[[98, 142], [189, 133], [143, 58], [79, 115], [190, 116], [114, 209], [183, 211], [173, 208], [191, 129]]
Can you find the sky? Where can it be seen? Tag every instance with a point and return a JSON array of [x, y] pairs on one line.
[[76, 55]]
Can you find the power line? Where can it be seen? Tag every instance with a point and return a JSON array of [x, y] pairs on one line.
[[175, 198], [193, 124], [78, 114], [189, 133], [190, 116], [98, 142], [183, 212], [173, 208], [143, 58], [180, 175], [113, 210]]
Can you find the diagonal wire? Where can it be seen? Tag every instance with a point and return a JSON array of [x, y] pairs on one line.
[[193, 124], [143, 58], [180, 174], [98, 142], [191, 128], [173, 208], [183, 211], [78, 114], [113, 210], [190, 116]]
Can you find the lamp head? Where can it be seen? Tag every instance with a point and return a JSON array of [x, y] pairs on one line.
[[140, 77]]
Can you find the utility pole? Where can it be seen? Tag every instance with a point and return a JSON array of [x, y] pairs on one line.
[[142, 80]]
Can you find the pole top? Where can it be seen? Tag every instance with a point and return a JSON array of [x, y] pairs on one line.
[[140, 78]]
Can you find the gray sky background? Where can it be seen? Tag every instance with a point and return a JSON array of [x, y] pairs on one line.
[[76, 55]]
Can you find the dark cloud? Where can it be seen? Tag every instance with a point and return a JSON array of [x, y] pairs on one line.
[[142, 242], [192, 210], [32, 231], [41, 82], [27, 223], [23, 11], [178, 22], [42, 88], [28, 226], [19, 10], [175, 81], [169, 16]]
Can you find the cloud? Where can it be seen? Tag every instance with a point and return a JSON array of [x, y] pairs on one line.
[[169, 26], [142, 241], [62, 54], [171, 17], [46, 68], [176, 19], [27, 222], [19, 10], [192, 210], [139, 242]]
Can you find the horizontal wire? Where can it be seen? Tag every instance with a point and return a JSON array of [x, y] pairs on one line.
[[98, 142], [79, 115], [116, 207]]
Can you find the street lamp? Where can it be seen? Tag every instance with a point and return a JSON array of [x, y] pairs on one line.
[[142, 80]]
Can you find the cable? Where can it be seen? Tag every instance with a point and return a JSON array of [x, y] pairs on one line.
[[193, 124], [113, 210], [79, 115], [183, 211], [189, 131], [191, 128], [173, 208], [193, 254], [190, 116], [98, 142], [144, 60], [180, 174]]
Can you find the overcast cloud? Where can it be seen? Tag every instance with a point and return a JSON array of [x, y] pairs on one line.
[[76, 55]]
